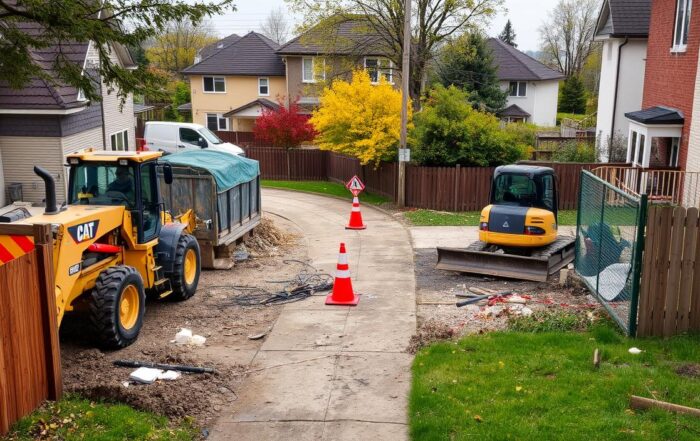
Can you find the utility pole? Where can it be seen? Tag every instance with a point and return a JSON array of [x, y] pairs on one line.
[[405, 76]]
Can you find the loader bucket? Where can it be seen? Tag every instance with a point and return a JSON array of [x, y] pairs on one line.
[[537, 267]]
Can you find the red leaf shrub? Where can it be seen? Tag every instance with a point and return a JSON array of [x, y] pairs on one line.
[[284, 127]]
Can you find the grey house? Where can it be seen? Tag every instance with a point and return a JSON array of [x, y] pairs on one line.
[[42, 123]]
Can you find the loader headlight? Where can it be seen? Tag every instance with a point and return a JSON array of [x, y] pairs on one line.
[[484, 226]]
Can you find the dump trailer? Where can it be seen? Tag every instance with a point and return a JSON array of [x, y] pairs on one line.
[[518, 231], [114, 244], [224, 192]]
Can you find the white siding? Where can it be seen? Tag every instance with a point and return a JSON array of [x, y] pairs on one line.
[[540, 101], [18, 164], [693, 158], [80, 141], [116, 119], [630, 88]]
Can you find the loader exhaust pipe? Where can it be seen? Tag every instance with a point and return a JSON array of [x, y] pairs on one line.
[[50, 185]]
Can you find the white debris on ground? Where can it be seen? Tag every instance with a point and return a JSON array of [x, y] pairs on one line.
[[185, 337], [145, 375]]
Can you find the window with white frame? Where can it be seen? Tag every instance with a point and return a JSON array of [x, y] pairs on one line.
[[119, 140], [263, 86], [517, 88], [216, 121], [81, 95], [681, 25], [214, 84], [313, 69], [378, 68]]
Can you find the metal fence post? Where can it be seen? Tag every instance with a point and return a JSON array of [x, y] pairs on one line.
[[600, 241], [637, 264]]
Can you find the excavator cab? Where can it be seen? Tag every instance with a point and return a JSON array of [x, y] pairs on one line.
[[523, 208]]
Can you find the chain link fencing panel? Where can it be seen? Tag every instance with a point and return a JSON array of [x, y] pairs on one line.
[[609, 241]]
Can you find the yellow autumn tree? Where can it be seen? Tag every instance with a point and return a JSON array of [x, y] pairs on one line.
[[359, 118]]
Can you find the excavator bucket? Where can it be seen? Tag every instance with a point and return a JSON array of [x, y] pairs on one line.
[[480, 258]]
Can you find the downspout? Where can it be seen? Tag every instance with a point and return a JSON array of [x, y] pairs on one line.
[[617, 87]]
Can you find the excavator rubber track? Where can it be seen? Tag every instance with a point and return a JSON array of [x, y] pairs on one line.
[[490, 260]]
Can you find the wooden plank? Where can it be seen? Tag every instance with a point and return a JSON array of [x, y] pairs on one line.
[[674, 272], [6, 385], [644, 315], [16, 229], [687, 270], [694, 316], [47, 292], [659, 290]]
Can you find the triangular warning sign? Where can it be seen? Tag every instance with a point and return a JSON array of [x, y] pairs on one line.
[[355, 185]]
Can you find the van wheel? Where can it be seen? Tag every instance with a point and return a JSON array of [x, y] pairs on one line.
[[118, 306], [186, 269]]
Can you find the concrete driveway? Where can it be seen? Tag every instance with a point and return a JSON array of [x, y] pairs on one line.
[[329, 372]]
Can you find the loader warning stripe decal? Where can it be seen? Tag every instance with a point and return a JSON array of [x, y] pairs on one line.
[[12, 247]]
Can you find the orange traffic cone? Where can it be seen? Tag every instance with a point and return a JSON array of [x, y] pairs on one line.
[[355, 216], [342, 286]]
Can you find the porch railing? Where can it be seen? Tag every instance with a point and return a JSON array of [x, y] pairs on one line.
[[661, 185]]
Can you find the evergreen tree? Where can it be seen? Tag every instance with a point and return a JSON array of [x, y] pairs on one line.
[[508, 35], [573, 96], [467, 63]]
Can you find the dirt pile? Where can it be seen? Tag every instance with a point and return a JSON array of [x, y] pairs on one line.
[[93, 376], [267, 239], [430, 332]]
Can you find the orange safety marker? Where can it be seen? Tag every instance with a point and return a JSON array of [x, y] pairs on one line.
[[355, 217], [342, 286]]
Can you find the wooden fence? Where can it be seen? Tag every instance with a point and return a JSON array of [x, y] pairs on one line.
[[436, 188], [669, 298], [30, 364]]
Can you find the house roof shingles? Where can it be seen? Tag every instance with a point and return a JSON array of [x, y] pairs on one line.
[[517, 66], [657, 116], [208, 51], [346, 37], [514, 111], [624, 18], [41, 94], [253, 54]]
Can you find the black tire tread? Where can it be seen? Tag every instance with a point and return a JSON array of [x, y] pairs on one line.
[[105, 303], [180, 291]]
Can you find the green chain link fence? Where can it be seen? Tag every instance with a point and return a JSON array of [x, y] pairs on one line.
[[609, 244]]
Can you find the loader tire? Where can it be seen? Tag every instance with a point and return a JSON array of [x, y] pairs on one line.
[[118, 306], [186, 268]]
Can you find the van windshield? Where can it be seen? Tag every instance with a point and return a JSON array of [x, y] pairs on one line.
[[210, 136]]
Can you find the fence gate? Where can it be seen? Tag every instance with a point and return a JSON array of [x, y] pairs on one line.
[[609, 245]]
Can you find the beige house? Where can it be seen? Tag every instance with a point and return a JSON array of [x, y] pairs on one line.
[[42, 123], [239, 75]]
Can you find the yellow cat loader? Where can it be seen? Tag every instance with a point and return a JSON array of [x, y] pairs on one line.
[[114, 244], [518, 232]]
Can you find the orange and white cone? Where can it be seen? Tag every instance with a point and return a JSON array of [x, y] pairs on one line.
[[342, 286], [355, 216]]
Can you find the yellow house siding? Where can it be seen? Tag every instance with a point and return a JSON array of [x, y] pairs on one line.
[[45, 152], [240, 90]]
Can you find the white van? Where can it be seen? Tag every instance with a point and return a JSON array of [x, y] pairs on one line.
[[172, 137]]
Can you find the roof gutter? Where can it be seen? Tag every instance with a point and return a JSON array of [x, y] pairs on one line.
[[617, 88]]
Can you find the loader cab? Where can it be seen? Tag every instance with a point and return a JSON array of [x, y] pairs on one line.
[[132, 184], [525, 186]]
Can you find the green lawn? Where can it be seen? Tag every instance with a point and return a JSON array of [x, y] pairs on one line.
[[74, 418], [324, 187], [537, 386], [469, 218]]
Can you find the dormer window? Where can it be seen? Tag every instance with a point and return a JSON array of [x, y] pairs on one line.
[[681, 25], [81, 95]]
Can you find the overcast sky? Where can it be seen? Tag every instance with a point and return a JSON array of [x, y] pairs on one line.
[[526, 16]]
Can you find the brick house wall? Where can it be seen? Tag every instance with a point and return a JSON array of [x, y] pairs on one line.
[[670, 77]]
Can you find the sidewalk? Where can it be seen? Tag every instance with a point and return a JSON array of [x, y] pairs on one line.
[[334, 373]]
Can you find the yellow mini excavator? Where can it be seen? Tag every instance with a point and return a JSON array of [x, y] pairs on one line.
[[114, 244], [517, 230]]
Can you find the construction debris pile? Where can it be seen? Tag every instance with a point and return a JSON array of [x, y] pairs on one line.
[[266, 239]]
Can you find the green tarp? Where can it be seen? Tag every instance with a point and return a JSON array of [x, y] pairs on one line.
[[228, 170]]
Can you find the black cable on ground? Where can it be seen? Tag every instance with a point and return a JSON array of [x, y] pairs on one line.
[[305, 284]]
